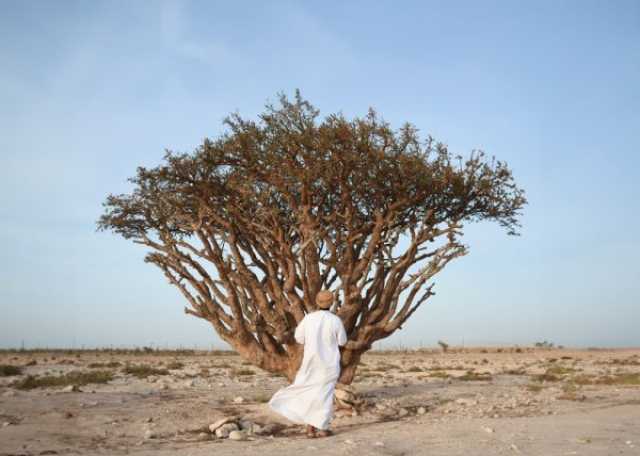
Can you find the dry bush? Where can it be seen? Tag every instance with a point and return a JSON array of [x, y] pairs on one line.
[[76, 378]]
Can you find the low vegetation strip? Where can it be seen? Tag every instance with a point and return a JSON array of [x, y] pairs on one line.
[[76, 378], [7, 370]]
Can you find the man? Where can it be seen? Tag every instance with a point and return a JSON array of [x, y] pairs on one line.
[[309, 399]]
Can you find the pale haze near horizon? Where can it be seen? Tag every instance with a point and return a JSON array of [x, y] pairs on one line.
[[90, 91]]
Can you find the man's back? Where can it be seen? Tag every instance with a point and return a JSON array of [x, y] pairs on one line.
[[321, 332]]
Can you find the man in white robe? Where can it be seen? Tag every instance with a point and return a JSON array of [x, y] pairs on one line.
[[309, 399]]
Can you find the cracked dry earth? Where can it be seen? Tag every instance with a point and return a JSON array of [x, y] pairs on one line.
[[473, 402]]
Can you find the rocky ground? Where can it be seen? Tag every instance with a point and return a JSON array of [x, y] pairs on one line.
[[472, 401]]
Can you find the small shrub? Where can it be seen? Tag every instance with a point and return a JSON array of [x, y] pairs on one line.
[[414, 369], [143, 371], [175, 365], [8, 370], [242, 372], [471, 376]]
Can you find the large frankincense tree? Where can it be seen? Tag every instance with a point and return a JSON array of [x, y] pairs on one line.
[[252, 224]]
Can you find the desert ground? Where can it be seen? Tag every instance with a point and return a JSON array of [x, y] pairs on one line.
[[480, 401]]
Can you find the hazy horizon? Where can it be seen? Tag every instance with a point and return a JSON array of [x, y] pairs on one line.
[[90, 91]]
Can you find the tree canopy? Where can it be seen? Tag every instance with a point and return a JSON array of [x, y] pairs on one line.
[[253, 223]]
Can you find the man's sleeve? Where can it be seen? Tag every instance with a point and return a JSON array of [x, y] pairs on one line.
[[299, 334], [342, 335]]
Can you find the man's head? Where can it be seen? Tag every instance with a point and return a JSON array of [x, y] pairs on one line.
[[324, 299]]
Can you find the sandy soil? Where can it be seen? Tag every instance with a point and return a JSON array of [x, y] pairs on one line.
[[471, 402]]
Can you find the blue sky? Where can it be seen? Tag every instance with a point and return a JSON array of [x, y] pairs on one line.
[[91, 90]]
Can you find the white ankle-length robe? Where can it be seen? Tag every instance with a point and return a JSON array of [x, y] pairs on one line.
[[309, 399]]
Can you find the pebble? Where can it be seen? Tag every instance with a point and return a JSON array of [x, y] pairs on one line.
[[149, 434], [379, 444], [6, 423], [237, 435], [238, 400], [421, 410], [488, 430], [9, 393], [403, 412], [204, 436]]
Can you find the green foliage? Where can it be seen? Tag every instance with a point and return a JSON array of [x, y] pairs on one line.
[[77, 378]]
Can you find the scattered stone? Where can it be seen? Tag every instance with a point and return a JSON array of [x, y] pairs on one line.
[[223, 431], [71, 389], [68, 415], [269, 429], [237, 435], [488, 430], [403, 412], [246, 425], [466, 402], [190, 383], [149, 420], [421, 410], [149, 434], [6, 423], [349, 442], [379, 444], [238, 400], [203, 436]]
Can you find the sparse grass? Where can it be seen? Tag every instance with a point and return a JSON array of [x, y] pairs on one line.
[[624, 378], [472, 376], [534, 387], [438, 374], [414, 369], [175, 365], [110, 364], [384, 367], [242, 372], [632, 361], [518, 371], [546, 377], [8, 370], [261, 398], [560, 370], [143, 371], [222, 365], [77, 378]]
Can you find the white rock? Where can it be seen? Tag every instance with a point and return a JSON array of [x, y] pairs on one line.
[[6, 423], [190, 383], [403, 412], [149, 434], [421, 410], [237, 435], [215, 425], [379, 444], [349, 442], [70, 388], [488, 430], [223, 431], [238, 400]]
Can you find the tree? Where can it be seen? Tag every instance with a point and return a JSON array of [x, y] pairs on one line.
[[252, 224]]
